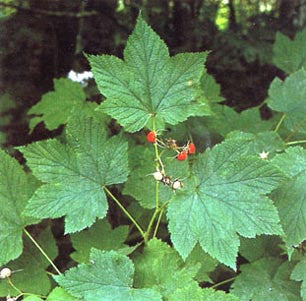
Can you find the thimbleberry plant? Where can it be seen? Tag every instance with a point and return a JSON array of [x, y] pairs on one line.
[[159, 210]]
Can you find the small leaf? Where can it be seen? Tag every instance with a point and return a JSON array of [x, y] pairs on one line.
[[227, 196], [208, 264], [109, 276], [289, 97], [290, 55], [148, 82], [59, 294], [16, 187], [261, 246], [226, 120], [150, 269], [100, 236], [55, 107], [198, 294], [75, 173], [298, 274], [265, 280]]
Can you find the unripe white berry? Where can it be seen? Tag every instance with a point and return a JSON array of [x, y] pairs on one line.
[[10, 299], [158, 176], [5, 273], [177, 184]]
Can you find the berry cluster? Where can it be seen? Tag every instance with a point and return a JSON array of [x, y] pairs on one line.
[[182, 151], [166, 180]]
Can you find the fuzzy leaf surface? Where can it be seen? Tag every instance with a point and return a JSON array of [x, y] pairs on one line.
[[75, 173], [226, 197], [100, 236], [148, 82], [55, 106], [290, 55], [108, 277], [16, 188], [299, 274], [289, 97], [265, 280]]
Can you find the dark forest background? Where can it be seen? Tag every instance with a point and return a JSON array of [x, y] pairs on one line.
[[45, 39]]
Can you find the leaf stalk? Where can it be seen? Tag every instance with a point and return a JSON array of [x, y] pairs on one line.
[[41, 251], [125, 212]]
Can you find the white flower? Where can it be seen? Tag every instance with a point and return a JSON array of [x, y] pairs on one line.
[[263, 155]]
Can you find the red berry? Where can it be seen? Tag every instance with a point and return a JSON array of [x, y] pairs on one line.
[[182, 156], [151, 137], [192, 148]]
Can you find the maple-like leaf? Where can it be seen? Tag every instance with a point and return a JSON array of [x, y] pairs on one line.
[[75, 173], [16, 187], [109, 276], [148, 82], [225, 196]]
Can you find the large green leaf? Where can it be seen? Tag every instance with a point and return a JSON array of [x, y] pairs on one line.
[[299, 274], [55, 107], [31, 276], [150, 269], [266, 279], [290, 199], [148, 82], [290, 55], [225, 196], [109, 276], [75, 173], [16, 187], [289, 97]]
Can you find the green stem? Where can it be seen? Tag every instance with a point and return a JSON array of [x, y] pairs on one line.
[[280, 123], [263, 103], [151, 224], [42, 251], [158, 222], [13, 286], [296, 142], [125, 212], [158, 165], [223, 282]]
